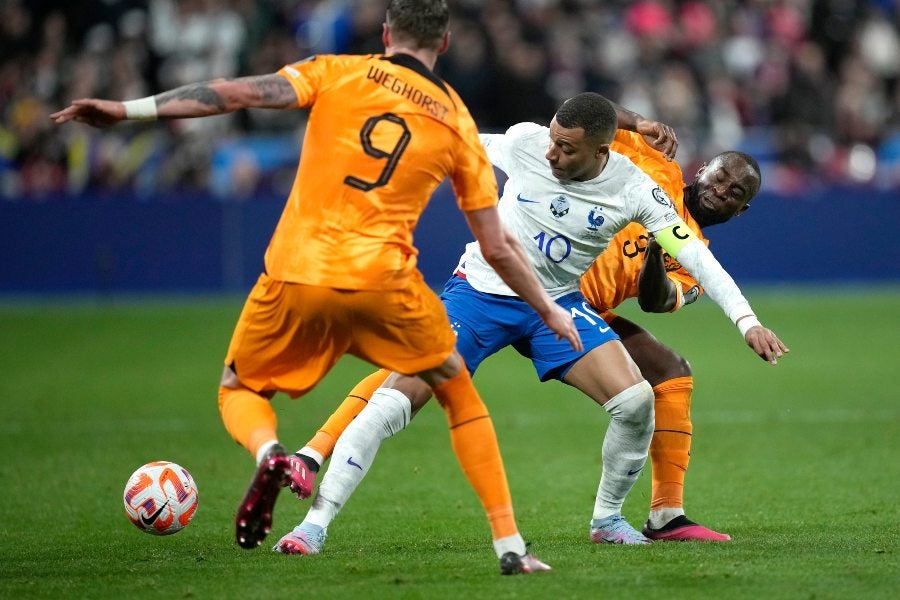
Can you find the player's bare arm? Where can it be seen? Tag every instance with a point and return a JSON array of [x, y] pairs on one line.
[[659, 135], [656, 292], [188, 101], [225, 95]]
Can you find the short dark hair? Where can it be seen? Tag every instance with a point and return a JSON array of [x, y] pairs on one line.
[[743, 156], [738, 156], [423, 22], [591, 112]]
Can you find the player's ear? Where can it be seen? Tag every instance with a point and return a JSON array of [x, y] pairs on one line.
[[602, 149], [445, 43], [386, 35]]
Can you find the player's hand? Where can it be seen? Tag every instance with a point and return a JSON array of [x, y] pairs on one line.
[[765, 343], [660, 136], [94, 112], [560, 321]]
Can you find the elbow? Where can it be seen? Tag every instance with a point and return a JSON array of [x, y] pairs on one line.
[[662, 308], [496, 255], [655, 305], [496, 250], [648, 306], [645, 304]]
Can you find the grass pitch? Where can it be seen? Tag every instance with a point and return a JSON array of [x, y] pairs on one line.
[[799, 462]]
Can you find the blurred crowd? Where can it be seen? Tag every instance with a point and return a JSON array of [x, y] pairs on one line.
[[811, 88]]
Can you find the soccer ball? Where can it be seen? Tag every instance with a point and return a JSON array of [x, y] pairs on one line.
[[161, 498]]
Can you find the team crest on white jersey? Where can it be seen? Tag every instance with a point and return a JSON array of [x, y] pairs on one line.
[[660, 196], [595, 219], [559, 207]]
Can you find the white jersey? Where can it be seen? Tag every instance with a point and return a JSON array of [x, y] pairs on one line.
[[562, 225]]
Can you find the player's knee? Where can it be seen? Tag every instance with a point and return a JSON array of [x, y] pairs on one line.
[[666, 365], [679, 366], [449, 369], [643, 408], [395, 409], [633, 405]]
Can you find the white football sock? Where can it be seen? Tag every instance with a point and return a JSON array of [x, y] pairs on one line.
[[263, 450], [387, 412], [510, 543], [658, 518], [313, 454], [625, 446]]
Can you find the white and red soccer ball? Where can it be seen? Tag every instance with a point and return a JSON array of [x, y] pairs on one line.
[[161, 498]]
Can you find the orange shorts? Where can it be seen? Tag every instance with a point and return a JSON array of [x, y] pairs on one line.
[[289, 335]]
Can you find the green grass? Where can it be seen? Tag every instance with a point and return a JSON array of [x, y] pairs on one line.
[[799, 462]]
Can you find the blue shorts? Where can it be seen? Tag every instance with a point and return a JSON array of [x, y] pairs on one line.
[[487, 323]]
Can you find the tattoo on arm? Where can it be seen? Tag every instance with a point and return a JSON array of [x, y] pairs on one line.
[[273, 90], [199, 92], [224, 95]]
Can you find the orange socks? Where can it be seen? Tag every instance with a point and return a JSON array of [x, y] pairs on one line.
[[248, 417], [326, 437], [671, 444], [475, 444]]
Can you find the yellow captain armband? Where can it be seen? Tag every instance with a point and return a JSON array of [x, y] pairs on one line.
[[675, 237]]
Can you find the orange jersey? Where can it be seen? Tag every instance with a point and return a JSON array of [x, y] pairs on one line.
[[383, 132], [613, 277]]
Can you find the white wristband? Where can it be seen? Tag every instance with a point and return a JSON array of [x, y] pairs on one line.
[[142, 109], [744, 324]]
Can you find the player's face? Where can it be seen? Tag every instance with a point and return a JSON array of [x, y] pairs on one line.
[[572, 156], [722, 190]]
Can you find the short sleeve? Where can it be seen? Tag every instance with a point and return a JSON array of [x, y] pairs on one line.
[[306, 78], [656, 209], [494, 144], [473, 178]]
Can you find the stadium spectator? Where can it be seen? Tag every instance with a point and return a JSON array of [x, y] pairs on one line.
[[531, 54]]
